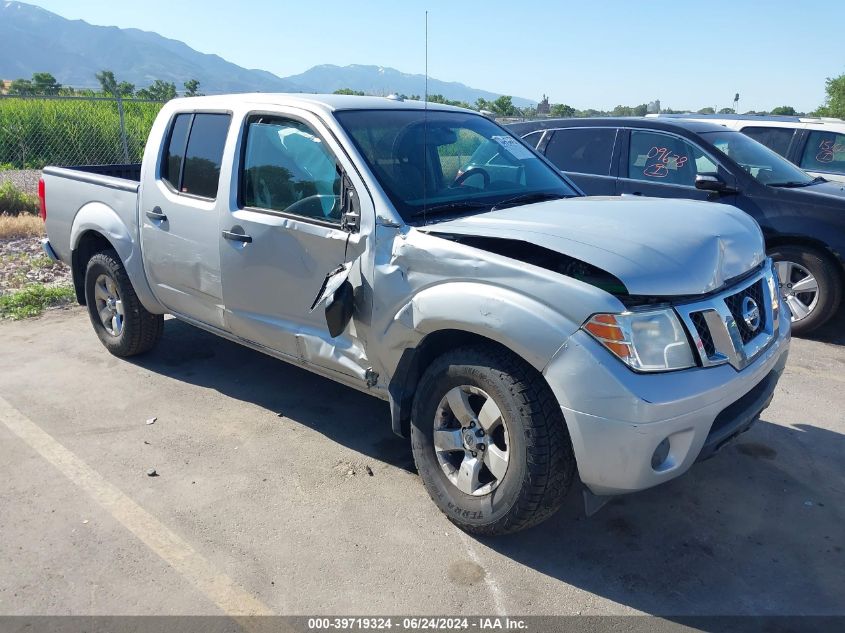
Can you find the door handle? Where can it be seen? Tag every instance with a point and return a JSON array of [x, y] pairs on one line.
[[156, 214], [237, 237]]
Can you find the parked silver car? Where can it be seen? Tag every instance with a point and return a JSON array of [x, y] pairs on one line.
[[524, 335]]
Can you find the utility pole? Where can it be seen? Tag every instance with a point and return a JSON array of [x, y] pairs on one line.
[[736, 103]]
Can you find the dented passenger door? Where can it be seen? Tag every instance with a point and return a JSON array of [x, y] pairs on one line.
[[296, 220]]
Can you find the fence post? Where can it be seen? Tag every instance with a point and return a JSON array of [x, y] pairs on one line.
[[123, 130]]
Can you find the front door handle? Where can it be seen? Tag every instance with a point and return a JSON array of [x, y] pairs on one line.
[[237, 237], [156, 214]]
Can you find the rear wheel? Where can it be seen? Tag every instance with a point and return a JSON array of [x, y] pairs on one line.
[[490, 442], [810, 285], [122, 324]]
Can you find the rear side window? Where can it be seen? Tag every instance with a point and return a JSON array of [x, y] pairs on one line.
[[775, 138], [825, 151], [175, 152], [582, 150], [194, 153]]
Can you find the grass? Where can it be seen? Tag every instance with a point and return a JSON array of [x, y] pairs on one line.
[[13, 201], [33, 300], [36, 132], [18, 226]]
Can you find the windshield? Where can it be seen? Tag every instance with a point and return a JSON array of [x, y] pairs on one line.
[[766, 166], [449, 162]]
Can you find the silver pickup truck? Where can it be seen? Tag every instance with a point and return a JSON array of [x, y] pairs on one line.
[[524, 335]]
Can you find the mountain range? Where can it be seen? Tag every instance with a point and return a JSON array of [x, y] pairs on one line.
[[33, 40]]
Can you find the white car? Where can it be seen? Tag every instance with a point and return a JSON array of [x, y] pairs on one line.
[[816, 145]]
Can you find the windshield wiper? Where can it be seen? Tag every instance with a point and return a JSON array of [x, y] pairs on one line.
[[793, 183], [525, 198], [446, 207]]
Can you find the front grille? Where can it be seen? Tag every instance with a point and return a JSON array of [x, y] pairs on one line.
[[704, 333], [718, 328], [734, 303]]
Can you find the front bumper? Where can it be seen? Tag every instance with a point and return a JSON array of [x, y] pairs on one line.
[[617, 418]]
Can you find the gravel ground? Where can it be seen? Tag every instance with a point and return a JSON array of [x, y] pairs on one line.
[[22, 262], [24, 179]]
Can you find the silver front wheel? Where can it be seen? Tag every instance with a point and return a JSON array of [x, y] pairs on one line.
[[799, 289], [471, 440]]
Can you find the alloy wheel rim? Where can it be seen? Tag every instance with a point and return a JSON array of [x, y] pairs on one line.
[[109, 304], [471, 440], [799, 289]]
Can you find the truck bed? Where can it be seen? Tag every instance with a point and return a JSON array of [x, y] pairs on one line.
[[102, 196]]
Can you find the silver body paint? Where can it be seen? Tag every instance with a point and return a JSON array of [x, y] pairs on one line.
[[412, 282]]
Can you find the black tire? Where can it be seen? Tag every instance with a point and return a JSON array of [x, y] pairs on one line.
[[140, 329], [541, 465], [828, 277]]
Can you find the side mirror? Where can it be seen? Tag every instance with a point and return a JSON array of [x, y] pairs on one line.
[[708, 182], [339, 308]]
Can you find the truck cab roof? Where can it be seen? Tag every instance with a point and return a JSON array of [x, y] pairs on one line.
[[325, 102]]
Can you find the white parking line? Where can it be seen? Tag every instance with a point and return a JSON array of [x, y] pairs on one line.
[[174, 550], [491, 583]]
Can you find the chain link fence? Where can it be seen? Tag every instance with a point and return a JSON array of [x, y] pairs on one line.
[[39, 131]]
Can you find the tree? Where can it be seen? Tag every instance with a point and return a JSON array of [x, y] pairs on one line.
[[110, 86], [349, 91], [640, 110], [561, 110], [707, 110], [503, 106], [45, 84], [726, 111], [834, 103], [786, 110], [159, 91], [21, 87], [192, 87], [483, 104]]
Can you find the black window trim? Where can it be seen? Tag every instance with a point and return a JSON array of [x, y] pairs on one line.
[[626, 157], [250, 116], [550, 135], [166, 146]]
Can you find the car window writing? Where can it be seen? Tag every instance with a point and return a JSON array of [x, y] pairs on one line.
[[825, 151], [666, 159]]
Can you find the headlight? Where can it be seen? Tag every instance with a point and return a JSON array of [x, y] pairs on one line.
[[645, 341]]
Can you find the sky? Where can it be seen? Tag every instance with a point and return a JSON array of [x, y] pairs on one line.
[[587, 54]]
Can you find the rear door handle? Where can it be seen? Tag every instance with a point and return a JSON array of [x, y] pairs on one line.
[[156, 214], [237, 237]]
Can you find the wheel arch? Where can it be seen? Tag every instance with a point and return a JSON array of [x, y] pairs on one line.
[[98, 227], [415, 360], [826, 250]]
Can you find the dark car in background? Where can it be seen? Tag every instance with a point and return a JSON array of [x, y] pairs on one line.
[[802, 217], [816, 145]]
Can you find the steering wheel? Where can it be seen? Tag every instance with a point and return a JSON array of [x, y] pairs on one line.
[[472, 171]]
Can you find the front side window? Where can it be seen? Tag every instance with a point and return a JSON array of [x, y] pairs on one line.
[[776, 139], [763, 164], [825, 151], [194, 152], [666, 159], [287, 167], [582, 150], [449, 162]]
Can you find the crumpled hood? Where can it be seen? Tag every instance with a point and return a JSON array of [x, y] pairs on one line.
[[654, 246]]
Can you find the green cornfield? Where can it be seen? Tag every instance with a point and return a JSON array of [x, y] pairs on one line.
[[37, 131]]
